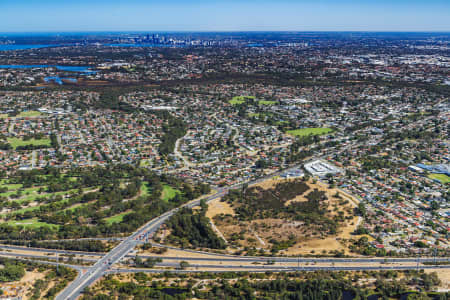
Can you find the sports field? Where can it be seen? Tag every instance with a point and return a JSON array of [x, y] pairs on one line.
[[267, 102], [309, 131], [240, 99], [16, 142], [441, 177], [31, 113]]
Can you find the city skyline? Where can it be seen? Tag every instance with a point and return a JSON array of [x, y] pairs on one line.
[[200, 15]]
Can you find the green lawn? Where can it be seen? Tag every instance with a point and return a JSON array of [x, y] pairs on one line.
[[282, 122], [144, 189], [31, 223], [309, 131], [145, 163], [259, 115], [31, 208], [240, 99], [28, 194], [30, 113], [444, 179], [15, 142], [116, 218], [266, 102], [10, 186], [75, 206], [168, 192]]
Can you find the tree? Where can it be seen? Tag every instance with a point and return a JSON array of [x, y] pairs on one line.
[[184, 265], [362, 209]]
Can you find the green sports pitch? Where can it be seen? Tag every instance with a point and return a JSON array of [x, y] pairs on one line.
[[309, 131]]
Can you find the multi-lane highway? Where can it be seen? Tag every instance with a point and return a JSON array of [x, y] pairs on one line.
[[115, 255], [104, 263], [213, 257]]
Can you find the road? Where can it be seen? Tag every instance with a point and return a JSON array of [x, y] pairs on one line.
[[73, 290], [218, 266], [277, 269], [213, 257]]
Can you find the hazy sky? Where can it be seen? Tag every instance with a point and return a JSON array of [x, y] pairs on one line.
[[224, 15]]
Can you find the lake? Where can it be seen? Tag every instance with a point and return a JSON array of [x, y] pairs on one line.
[[59, 80], [11, 47], [79, 69], [143, 45]]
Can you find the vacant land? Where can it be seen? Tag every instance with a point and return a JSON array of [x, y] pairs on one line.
[[309, 131], [16, 142], [444, 179], [284, 223]]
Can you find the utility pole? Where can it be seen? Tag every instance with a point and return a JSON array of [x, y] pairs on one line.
[[57, 262]]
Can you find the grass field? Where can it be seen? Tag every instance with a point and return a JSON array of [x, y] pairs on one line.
[[240, 99], [441, 177], [15, 142], [10, 186], [309, 131], [259, 115], [28, 194], [144, 189], [117, 218], [31, 223], [266, 102], [145, 163], [168, 192], [31, 113]]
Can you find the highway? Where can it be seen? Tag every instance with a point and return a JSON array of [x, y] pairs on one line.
[[214, 257], [103, 265], [216, 269], [218, 266], [73, 290]]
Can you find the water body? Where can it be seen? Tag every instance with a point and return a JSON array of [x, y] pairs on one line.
[[59, 80], [13, 47], [78, 69], [144, 45], [255, 45]]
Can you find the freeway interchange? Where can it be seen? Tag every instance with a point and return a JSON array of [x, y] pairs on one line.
[[208, 261]]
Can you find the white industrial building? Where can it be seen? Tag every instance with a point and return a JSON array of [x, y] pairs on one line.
[[321, 168]]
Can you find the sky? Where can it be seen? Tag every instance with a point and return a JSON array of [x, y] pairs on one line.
[[224, 15]]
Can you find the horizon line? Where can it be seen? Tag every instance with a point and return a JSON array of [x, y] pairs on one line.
[[228, 31]]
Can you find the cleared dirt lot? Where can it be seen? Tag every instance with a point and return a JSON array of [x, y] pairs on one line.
[[258, 233]]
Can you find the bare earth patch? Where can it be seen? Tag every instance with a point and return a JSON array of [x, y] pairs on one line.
[[444, 276], [258, 233]]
